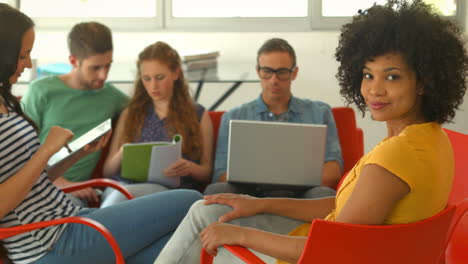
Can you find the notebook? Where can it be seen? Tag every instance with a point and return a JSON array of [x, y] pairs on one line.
[[145, 162], [276, 153]]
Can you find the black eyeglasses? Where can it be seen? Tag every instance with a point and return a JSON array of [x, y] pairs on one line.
[[283, 74]]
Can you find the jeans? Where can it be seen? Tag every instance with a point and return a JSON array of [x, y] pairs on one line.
[[141, 227], [269, 191], [111, 197], [184, 247]]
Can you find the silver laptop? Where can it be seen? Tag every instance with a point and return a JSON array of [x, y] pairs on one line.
[[276, 153]]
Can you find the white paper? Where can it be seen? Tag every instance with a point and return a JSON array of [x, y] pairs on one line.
[[161, 158]]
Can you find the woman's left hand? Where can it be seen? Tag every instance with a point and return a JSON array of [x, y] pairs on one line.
[[182, 167], [218, 234]]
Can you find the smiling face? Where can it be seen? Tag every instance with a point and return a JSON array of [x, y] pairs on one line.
[[24, 57], [391, 90], [158, 80]]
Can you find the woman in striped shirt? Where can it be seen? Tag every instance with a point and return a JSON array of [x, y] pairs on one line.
[[141, 226]]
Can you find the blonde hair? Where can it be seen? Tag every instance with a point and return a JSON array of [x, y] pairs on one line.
[[181, 118]]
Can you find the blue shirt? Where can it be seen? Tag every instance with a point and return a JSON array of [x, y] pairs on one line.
[[299, 111]]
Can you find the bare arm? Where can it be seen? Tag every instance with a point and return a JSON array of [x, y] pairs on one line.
[[376, 193], [282, 247], [244, 205], [301, 209], [331, 174], [17, 187], [114, 157]]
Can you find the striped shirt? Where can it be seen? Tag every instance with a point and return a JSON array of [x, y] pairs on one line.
[[18, 143]]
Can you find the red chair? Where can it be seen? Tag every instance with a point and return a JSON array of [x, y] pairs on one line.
[[216, 117], [457, 249], [12, 231], [351, 137], [336, 243]]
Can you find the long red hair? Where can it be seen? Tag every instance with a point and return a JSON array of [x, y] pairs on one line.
[[181, 118]]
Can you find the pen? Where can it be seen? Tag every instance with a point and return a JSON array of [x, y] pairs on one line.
[[68, 148]]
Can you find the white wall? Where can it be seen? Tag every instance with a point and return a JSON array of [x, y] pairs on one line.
[[315, 52]]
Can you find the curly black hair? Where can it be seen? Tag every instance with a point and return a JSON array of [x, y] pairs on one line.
[[431, 45]]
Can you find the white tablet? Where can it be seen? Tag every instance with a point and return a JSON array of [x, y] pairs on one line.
[[79, 143]]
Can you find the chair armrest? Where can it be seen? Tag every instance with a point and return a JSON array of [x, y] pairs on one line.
[[99, 183], [241, 252], [13, 231]]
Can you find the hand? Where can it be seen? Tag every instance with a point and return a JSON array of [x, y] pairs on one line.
[[182, 167], [98, 144], [88, 194], [218, 234], [56, 139], [242, 205]]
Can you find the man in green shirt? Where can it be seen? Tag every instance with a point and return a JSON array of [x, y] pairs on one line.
[[79, 100]]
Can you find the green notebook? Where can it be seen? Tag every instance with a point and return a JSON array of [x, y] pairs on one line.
[[136, 160]]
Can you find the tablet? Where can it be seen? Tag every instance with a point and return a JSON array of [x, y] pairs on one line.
[[79, 143]]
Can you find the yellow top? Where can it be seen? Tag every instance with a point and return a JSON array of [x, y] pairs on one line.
[[422, 156]]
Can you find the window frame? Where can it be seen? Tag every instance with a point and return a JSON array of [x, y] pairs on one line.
[[115, 23], [319, 22], [164, 21]]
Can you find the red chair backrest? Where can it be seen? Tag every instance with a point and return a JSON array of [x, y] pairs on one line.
[[216, 117], [460, 182], [457, 249], [420, 242], [351, 137]]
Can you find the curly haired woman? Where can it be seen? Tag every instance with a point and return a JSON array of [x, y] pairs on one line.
[[161, 107], [407, 66]]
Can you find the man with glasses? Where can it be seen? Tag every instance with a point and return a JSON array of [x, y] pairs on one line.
[[276, 67]]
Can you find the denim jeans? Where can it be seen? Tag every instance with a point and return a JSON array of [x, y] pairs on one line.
[[184, 247], [111, 197], [141, 227]]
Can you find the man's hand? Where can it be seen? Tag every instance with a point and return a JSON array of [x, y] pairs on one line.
[[218, 234], [242, 205], [98, 144], [87, 194]]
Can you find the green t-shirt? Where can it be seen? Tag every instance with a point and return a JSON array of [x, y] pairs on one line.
[[49, 102]]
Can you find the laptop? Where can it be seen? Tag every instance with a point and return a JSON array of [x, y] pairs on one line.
[[276, 153]]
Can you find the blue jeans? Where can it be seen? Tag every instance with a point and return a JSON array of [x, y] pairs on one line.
[[141, 227]]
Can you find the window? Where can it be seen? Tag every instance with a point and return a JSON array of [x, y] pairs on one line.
[[258, 8], [122, 14], [10, 2], [327, 16], [350, 8], [210, 15], [239, 15]]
